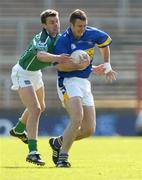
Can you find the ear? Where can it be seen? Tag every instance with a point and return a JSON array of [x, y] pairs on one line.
[[44, 26], [71, 25]]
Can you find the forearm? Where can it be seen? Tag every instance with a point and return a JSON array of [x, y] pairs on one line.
[[46, 57], [109, 73], [105, 52], [68, 67]]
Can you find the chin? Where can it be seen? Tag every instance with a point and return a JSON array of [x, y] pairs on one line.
[[80, 35]]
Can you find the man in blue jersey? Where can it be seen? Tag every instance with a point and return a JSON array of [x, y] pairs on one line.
[[73, 87]]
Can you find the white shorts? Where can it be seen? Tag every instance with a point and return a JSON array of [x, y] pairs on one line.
[[23, 78], [71, 87]]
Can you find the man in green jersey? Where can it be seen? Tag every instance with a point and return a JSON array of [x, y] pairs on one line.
[[27, 80]]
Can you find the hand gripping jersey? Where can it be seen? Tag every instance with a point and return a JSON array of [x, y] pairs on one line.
[[41, 42], [91, 37]]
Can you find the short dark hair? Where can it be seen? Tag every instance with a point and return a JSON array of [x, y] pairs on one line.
[[77, 14], [48, 13]]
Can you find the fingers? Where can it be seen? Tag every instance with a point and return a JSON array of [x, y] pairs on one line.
[[85, 60], [66, 59], [99, 70], [110, 76], [84, 64]]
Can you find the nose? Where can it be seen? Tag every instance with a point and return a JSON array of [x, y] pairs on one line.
[[56, 23]]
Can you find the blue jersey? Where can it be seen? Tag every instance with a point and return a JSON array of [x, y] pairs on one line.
[[66, 44]]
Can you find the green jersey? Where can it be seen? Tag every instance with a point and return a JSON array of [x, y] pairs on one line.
[[41, 42]]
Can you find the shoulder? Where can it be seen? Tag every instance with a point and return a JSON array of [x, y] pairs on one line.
[[41, 41], [92, 33], [64, 37], [65, 34], [94, 30], [44, 36], [41, 37]]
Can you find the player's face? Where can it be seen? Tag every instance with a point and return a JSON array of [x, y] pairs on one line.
[[52, 25], [78, 28]]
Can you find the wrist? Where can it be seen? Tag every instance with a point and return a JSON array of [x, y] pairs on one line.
[[107, 67], [55, 58], [93, 66]]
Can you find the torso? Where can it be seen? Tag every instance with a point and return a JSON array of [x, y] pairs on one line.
[[41, 42]]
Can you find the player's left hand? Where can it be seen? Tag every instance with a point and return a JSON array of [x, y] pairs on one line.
[[110, 76]]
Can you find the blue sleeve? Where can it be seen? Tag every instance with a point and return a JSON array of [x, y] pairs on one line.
[[103, 39], [61, 46]]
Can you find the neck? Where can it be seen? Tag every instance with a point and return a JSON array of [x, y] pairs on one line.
[[52, 35]]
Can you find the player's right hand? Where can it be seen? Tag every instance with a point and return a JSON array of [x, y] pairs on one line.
[[83, 64], [99, 69]]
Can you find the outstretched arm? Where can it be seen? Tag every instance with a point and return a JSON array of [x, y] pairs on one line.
[[110, 74], [48, 57]]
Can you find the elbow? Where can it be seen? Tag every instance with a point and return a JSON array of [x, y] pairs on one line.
[[42, 56]]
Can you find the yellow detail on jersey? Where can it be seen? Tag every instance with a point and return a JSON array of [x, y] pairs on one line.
[[65, 96], [90, 52], [105, 43]]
